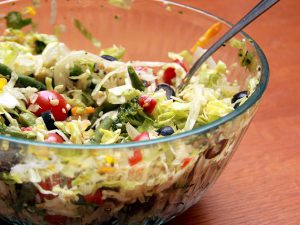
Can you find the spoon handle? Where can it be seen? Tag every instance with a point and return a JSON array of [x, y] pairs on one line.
[[259, 9]]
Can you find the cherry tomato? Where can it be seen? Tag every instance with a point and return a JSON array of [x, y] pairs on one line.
[[56, 219], [136, 158], [94, 198], [52, 181], [54, 138], [51, 101], [185, 162], [170, 73], [147, 103], [142, 137]]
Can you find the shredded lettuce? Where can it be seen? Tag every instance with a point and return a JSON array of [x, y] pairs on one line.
[[252, 84], [88, 35], [9, 51], [195, 107], [114, 51], [110, 137], [75, 128], [116, 95], [169, 112], [214, 110], [121, 3]]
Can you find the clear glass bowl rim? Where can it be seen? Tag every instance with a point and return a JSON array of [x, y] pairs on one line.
[[257, 94]]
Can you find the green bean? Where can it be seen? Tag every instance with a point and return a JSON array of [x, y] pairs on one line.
[[95, 115], [27, 81], [27, 119], [135, 80], [105, 124], [5, 70], [106, 107], [87, 99], [24, 81]]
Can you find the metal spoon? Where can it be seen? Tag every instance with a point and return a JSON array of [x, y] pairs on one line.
[[259, 9]]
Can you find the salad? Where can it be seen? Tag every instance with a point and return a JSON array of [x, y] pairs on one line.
[[51, 93], [54, 94]]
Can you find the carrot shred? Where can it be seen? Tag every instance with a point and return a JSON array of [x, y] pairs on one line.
[[89, 110], [207, 36]]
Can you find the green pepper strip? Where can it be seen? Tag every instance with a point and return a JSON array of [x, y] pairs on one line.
[[135, 80], [27, 119], [105, 124]]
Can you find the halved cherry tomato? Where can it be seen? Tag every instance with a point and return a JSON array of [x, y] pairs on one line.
[[147, 103], [94, 198], [54, 138], [137, 155], [51, 101], [52, 181], [56, 219], [170, 73], [136, 158], [185, 162], [142, 137]]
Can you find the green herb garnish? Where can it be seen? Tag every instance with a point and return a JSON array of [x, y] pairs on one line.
[[15, 20]]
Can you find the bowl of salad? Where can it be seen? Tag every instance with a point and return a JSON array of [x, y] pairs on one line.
[[93, 129]]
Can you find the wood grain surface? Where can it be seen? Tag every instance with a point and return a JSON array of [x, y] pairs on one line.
[[261, 184]]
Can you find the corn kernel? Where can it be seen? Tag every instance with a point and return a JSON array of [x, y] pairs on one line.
[[105, 169], [110, 160], [40, 127], [51, 167], [3, 82], [29, 10]]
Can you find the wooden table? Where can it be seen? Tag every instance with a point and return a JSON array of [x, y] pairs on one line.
[[261, 184]]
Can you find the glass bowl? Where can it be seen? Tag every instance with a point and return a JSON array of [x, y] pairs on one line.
[[183, 167]]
